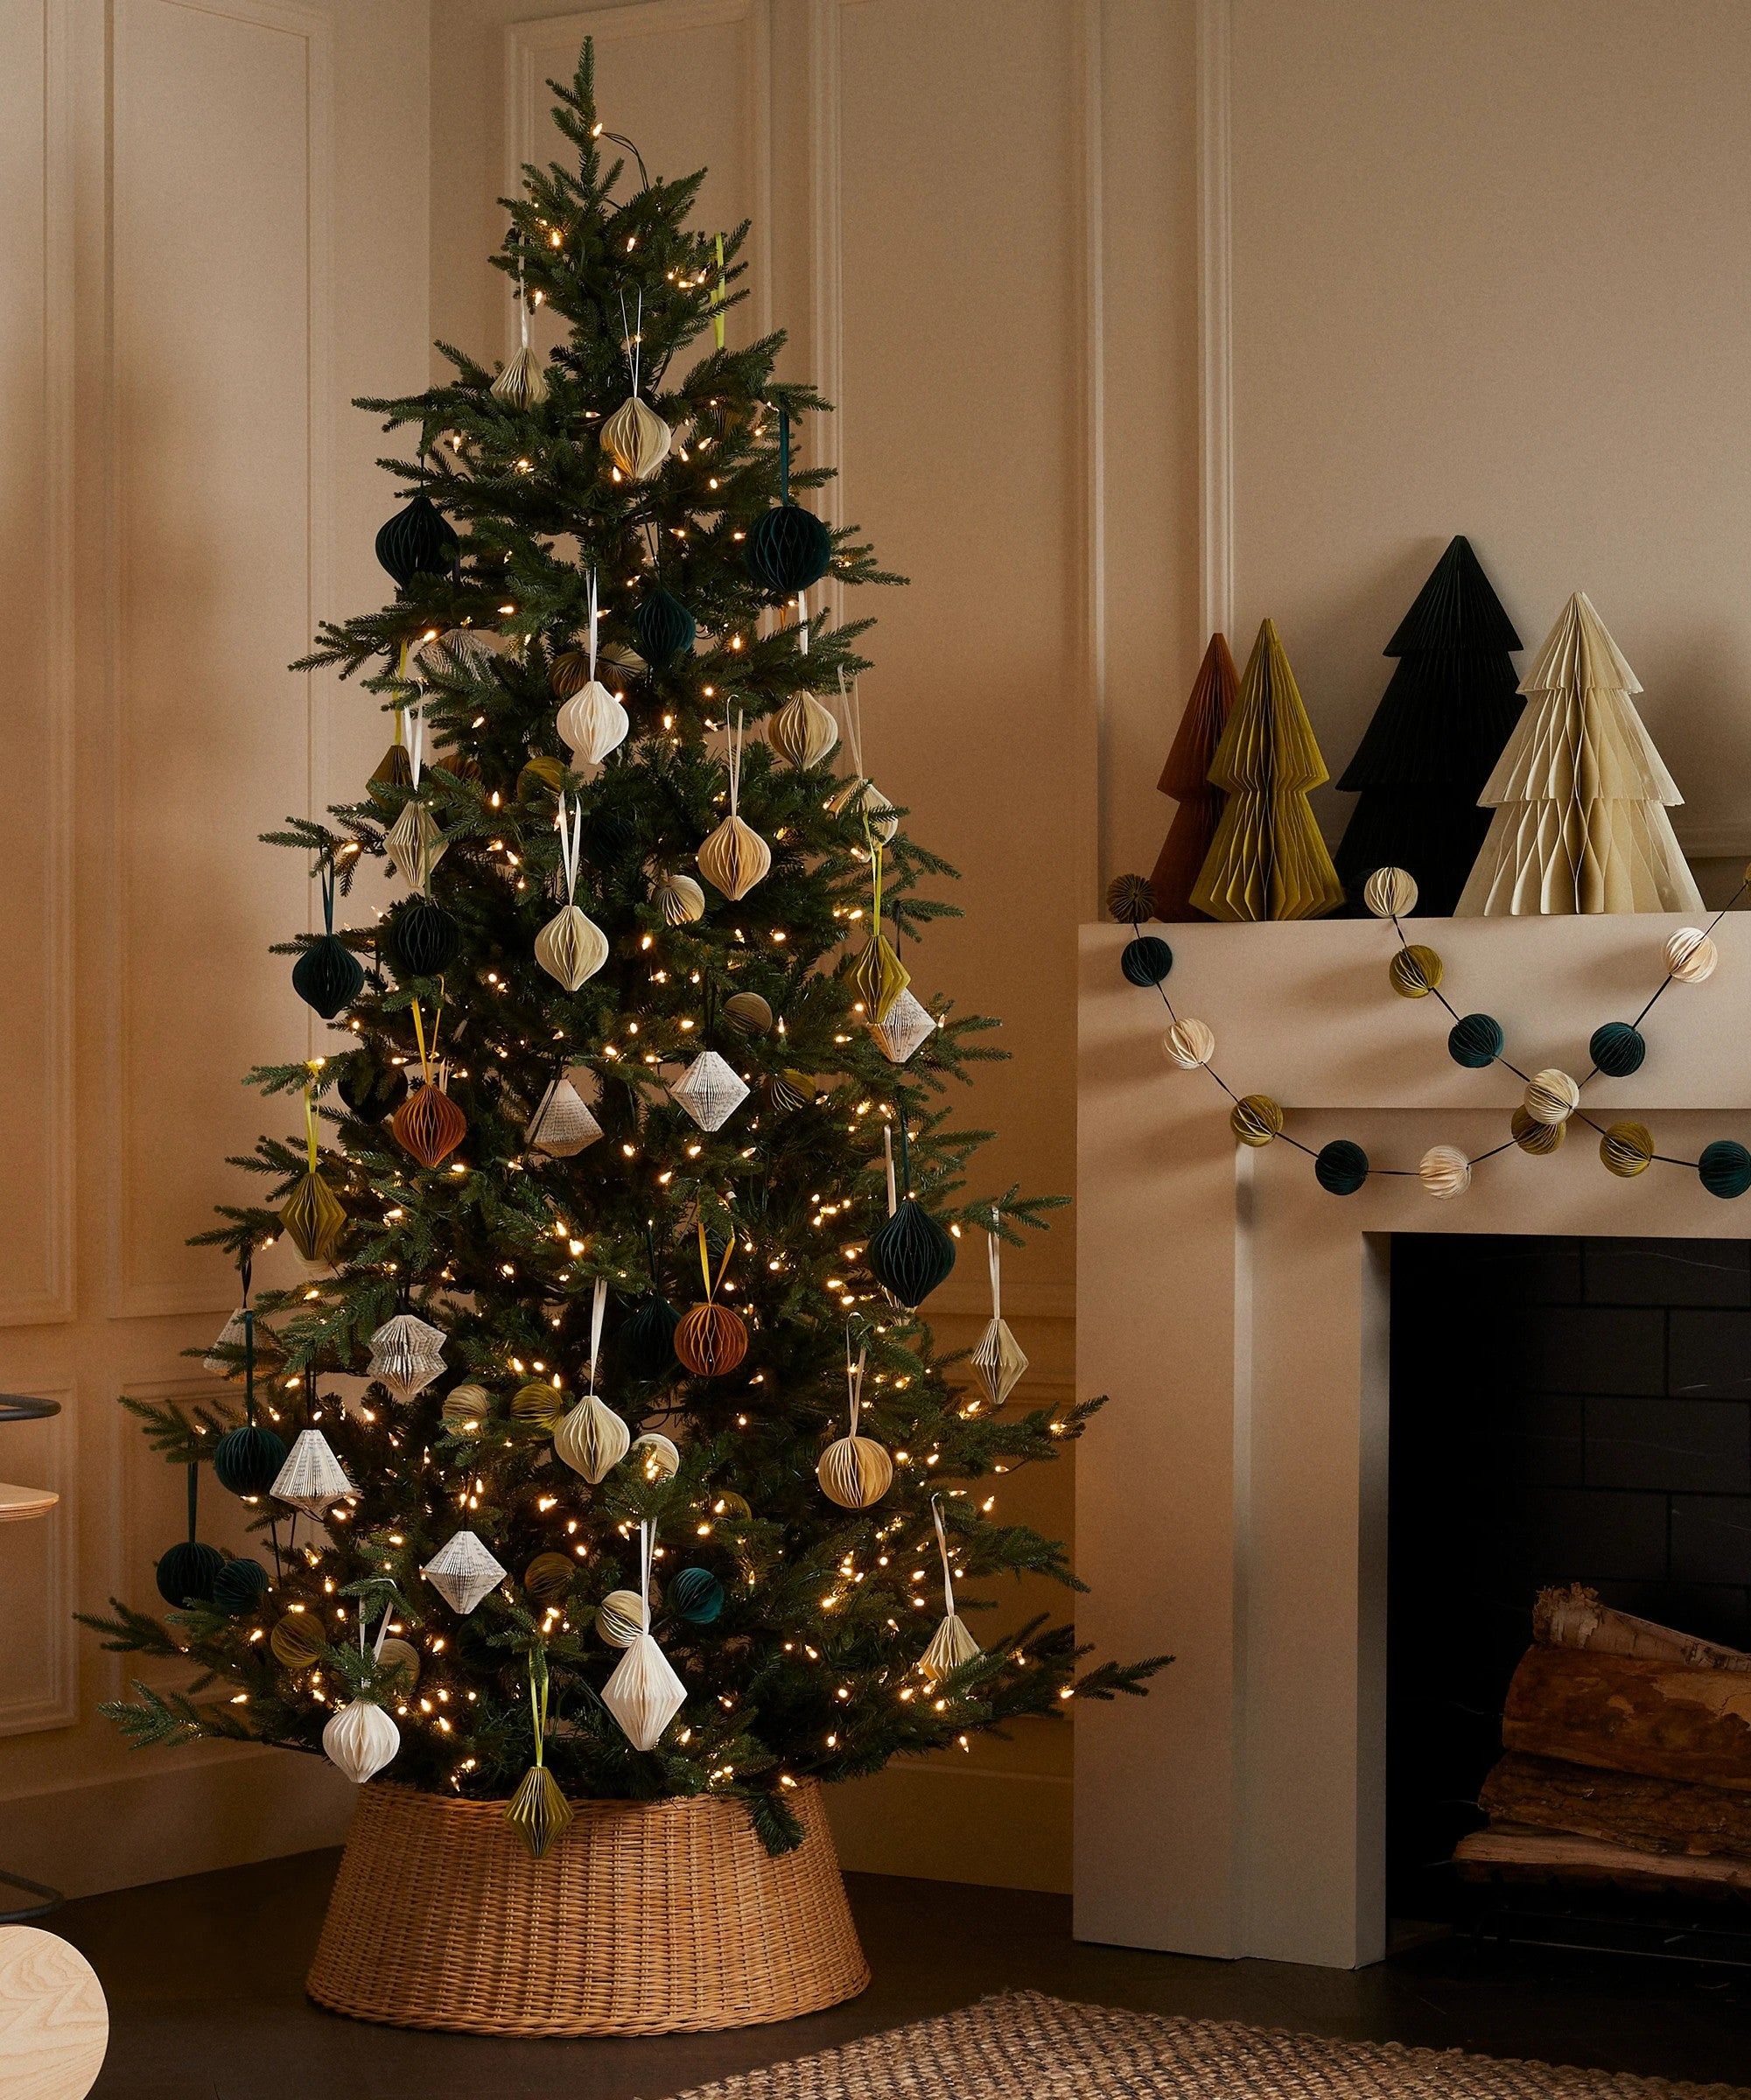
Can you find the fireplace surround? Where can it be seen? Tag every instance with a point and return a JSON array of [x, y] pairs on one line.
[[1232, 1511]]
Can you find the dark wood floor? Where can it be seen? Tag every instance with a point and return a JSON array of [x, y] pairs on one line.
[[204, 1984]]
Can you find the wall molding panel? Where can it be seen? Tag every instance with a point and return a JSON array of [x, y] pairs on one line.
[[1215, 316], [40, 1565]]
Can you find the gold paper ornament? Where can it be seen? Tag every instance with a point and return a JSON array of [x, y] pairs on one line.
[[569, 673], [536, 1403], [1691, 956], [548, 1578], [802, 732], [636, 438], [619, 1618], [1189, 1044], [735, 857], [466, 1408], [1445, 1172], [402, 1659], [998, 1359], [1552, 1096], [413, 845], [1390, 893], [1537, 1138], [727, 1504], [678, 897], [710, 1340], [1256, 1119], [855, 1471], [523, 384], [1627, 1148], [314, 1218], [951, 1646], [879, 976], [747, 1013], [570, 948], [562, 1125], [1415, 972], [296, 1640], [592, 1439], [538, 1812], [541, 775]]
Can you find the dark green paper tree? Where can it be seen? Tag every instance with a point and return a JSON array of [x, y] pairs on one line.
[[1446, 714], [796, 1626]]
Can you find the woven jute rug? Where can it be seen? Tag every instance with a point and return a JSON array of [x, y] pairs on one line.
[[1025, 2047]]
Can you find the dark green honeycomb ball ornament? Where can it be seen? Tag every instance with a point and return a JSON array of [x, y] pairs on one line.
[[422, 939], [1617, 1049], [788, 548], [1725, 1168], [1146, 959], [664, 628], [418, 541], [648, 1339], [327, 975], [247, 1459], [237, 1585], [696, 1595], [189, 1570], [1341, 1168], [1474, 1040]]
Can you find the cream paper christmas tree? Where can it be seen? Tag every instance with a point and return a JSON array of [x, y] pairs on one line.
[[1579, 793]]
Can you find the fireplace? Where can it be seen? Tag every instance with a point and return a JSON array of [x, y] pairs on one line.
[[1589, 1420], [1233, 1510]]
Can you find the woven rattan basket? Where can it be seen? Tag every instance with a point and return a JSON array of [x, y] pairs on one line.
[[645, 1918]]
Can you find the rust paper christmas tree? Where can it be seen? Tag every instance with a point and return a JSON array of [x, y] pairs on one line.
[[1267, 859], [1579, 793], [1186, 778]]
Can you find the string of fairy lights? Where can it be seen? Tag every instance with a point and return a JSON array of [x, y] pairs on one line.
[[1552, 1098]]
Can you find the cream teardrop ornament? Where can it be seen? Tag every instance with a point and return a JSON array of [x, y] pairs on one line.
[[592, 1439], [803, 731], [593, 723], [572, 948], [361, 1740], [636, 438]]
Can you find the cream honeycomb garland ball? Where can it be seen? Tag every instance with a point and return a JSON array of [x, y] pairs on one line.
[[1552, 1096], [1189, 1044], [1691, 956], [1445, 1172]]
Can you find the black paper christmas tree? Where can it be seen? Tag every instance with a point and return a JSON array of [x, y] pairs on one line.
[[1441, 724]]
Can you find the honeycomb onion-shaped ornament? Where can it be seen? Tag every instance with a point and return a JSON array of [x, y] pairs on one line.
[[418, 541], [1540, 1139], [1617, 1048], [429, 1124], [644, 1695], [663, 628], [1389, 893], [1341, 1167], [1627, 1148], [619, 1618], [734, 859], [407, 1355], [789, 549], [855, 1471], [1415, 972], [1445, 1172], [572, 948], [879, 976], [1256, 1119], [905, 1026], [1475, 1041], [678, 897], [1691, 956], [1552, 1096], [523, 384], [313, 1479], [328, 976], [592, 723], [463, 1572], [562, 1126], [592, 1439], [247, 1459], [538, 1812], [910, 1254], [1189, 1044], [710, 1340], [636, 438], [803, 731], [361, 1740], [314, 1218], [710, 1090]]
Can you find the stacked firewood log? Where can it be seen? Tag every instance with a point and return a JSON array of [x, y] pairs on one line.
[[1628, 1759]]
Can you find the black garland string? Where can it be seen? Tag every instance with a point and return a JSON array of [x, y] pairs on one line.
[[1132, 901]]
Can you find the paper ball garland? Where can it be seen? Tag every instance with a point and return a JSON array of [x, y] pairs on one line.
[[592, 723], [910, 1254], [327, 975], [1341, 1168], [592, 1439], [1617, 1049], [1445, 1172], [710, 1090], [1256, 1119], [361, 1740], [734, 859], [619, 1618], [1415, 972], [429, 1124], [238, 1586], [1475, 1041], [421, 940], [463, 1572], [1552, 1096], [570, 948], [636, 438], [187, 1571], [418, 541], [664, 626], [1389, 893], [697, 1596], [1131, 900], [789, 549], [1537, 1138], [1691, 956], [1145, 959], [538, 1812], [1189, 1044], [1627, 1148], [802, 732], [247, 1459], [709, 1340], [1725, 1168], [905, 1026]]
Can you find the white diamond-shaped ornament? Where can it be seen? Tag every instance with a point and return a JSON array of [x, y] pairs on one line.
[[710, 1090], [312, 1477], [906, 1026], [644, 1695], [463, 1572]]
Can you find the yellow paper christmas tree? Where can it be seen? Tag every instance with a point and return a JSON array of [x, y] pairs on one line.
[[1267, 859], [1579, 793]]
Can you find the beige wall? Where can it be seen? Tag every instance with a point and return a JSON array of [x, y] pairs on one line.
[[213, 232]]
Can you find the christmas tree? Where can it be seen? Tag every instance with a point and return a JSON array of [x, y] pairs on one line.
[[1267, 859], [1581, 795], [1440, 725], [604, 1453], [1186, 778]]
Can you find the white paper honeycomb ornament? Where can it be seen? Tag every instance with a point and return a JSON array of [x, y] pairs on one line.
[[463, 1572]]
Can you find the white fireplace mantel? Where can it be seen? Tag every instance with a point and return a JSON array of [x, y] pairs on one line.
[[1231, 1501]]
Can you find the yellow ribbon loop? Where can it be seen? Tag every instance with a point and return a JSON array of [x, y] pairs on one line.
[[310, 1121]]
